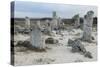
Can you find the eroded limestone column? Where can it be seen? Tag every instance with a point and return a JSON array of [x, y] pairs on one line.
[[36, 36], [59, 24], [48, 27], [54, 21], [87, 26], [27, 22], [77, 21]]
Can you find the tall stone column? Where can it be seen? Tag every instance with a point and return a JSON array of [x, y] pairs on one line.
[[77, 21], [48, 26], [54, 21], [59, 22], [59, 25], [27, 22], [36, 36], [87, 26]]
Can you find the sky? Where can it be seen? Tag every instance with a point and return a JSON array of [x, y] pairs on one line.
[[40, 10]]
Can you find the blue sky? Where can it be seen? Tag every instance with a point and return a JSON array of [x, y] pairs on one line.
[[39, 10]]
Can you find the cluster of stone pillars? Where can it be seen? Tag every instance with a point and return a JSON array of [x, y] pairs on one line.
[[87, 25], [56, 23], [36, 35]]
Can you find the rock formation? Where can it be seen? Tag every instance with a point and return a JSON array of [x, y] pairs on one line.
[[27, 22], [36, 36], [76, 21], [78, 47], [87, 26]]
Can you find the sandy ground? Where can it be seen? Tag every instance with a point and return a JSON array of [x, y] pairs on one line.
[[58, 53]]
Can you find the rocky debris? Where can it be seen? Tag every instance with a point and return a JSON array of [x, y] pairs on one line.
[[26, 45], [78, 47], [19, 43], [23, 43], [51, 41]]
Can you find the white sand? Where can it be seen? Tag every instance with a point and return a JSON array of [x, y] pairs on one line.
[[59, 53]]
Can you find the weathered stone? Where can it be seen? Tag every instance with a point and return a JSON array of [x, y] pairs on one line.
[[36, 36], [24, 43], [77, 21], [59, 24], [48, 28], [87, 27], [78, 47], [19, 43], [54, 21], [27, 22], [51, 41], [26, 31]]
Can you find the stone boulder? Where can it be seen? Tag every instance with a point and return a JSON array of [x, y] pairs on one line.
[[78, 47], [51, 41]]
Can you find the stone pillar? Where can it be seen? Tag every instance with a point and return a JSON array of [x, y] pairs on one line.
[[54, 21], [36, 36], [27, 22], [87, 26], [59, 24], [48, 27], [77, 21]]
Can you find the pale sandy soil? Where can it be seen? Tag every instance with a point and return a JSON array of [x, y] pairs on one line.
[[58, 53]]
